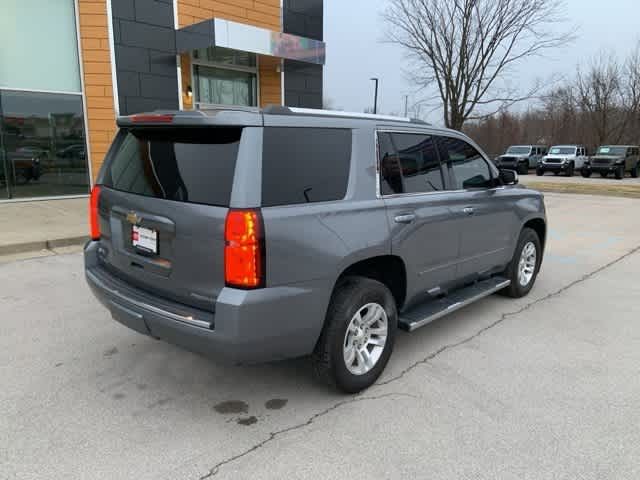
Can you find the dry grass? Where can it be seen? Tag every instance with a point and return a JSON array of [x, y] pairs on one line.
[[613, 190]]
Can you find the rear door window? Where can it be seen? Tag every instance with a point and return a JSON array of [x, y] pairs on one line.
[[304, 165], [419, 163], [194, 165]]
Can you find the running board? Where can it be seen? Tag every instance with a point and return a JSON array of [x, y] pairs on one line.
[[432, 310]]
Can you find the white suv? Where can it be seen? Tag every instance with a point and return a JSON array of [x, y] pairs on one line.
[[563, 158]]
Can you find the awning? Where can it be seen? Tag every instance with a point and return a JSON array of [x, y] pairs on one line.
[[239, 36]]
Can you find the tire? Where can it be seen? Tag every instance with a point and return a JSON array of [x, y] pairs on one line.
[[539, 172], [635, 171], [523, 169], [604, 174], [619, 173], [351, 296], [585, 173], [571, 170], [518, 289]]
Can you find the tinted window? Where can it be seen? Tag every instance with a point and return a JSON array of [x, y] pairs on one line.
[[304, 165], [419, 163], [466, 166], [390, 178], [195, 165]]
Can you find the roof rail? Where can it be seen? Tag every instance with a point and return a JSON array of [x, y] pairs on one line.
[[282, 110]]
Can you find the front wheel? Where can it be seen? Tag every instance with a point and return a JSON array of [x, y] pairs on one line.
[[358, 336], [586, 173], [571, 170], [620, 173], [523, 169], [525, 264], [539, 172], [635, 171]]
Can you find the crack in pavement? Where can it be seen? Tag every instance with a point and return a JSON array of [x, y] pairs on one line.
[[273, 435], [507, 315]]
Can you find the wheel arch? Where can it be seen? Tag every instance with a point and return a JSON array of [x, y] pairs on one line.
[[538, 225], [389, 270]]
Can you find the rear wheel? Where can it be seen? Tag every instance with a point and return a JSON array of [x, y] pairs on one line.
[[586, 173], [525, 264], [620, 173], [358, 335], [635, 171], [539, 172]]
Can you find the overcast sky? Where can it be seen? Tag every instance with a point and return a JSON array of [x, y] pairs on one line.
[[354, 30]]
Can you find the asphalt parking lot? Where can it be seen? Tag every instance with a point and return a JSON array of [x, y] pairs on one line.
[[546, 387]]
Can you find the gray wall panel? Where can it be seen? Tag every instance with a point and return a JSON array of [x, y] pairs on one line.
[[302, 81], [145, 52]]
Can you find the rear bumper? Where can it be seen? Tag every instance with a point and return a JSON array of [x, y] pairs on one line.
[[247, 326]]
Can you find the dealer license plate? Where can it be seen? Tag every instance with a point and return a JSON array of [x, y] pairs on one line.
[[145, 239]]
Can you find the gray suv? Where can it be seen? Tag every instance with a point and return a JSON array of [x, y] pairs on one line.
[[254, 236], [521, 157], [616, 159]]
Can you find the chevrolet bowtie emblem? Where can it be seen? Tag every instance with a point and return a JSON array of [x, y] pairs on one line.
[[133, 218]]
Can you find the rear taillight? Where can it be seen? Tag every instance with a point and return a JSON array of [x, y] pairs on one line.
[[94, 216], [244, 251]]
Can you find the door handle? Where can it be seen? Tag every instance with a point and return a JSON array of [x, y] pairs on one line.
[[469, 210], [407, 218]]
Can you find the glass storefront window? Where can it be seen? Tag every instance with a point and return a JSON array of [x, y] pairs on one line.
[[216, 86], [38, 45], [42, 145], [222, 76], [225, 56]]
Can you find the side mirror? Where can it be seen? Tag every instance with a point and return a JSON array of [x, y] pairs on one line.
[[509, 177]]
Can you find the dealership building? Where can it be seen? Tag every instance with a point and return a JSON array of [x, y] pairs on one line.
[[68, 68]]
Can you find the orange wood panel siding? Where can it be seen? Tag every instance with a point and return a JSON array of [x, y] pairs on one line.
[[96, 63], [269, 78], [261, 13], [185, 75]]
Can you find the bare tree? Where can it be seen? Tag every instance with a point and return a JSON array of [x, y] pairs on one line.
[[465, 48], [600, 91]]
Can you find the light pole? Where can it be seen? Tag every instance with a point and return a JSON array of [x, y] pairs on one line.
[[375, 96], [406, 105]]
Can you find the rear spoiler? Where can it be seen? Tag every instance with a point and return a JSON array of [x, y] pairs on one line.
[[185, 118]]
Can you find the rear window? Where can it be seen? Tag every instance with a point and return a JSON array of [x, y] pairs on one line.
[[304, 165], [194, 165]]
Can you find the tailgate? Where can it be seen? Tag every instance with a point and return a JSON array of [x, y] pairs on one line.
[[164, 198]]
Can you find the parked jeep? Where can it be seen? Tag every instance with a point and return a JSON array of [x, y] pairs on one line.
[[521, 157], [563, 159], [254, 236], [616, 159]]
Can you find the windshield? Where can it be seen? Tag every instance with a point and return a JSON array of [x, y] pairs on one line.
[[562, 151], [519, 150], [612, 151]]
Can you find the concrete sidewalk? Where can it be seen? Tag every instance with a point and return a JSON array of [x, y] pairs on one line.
[[42, 225]]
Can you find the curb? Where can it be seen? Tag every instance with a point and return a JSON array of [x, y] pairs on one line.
[[16, 248]]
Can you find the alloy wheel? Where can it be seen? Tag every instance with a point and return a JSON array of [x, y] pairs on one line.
[[365, 339]]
